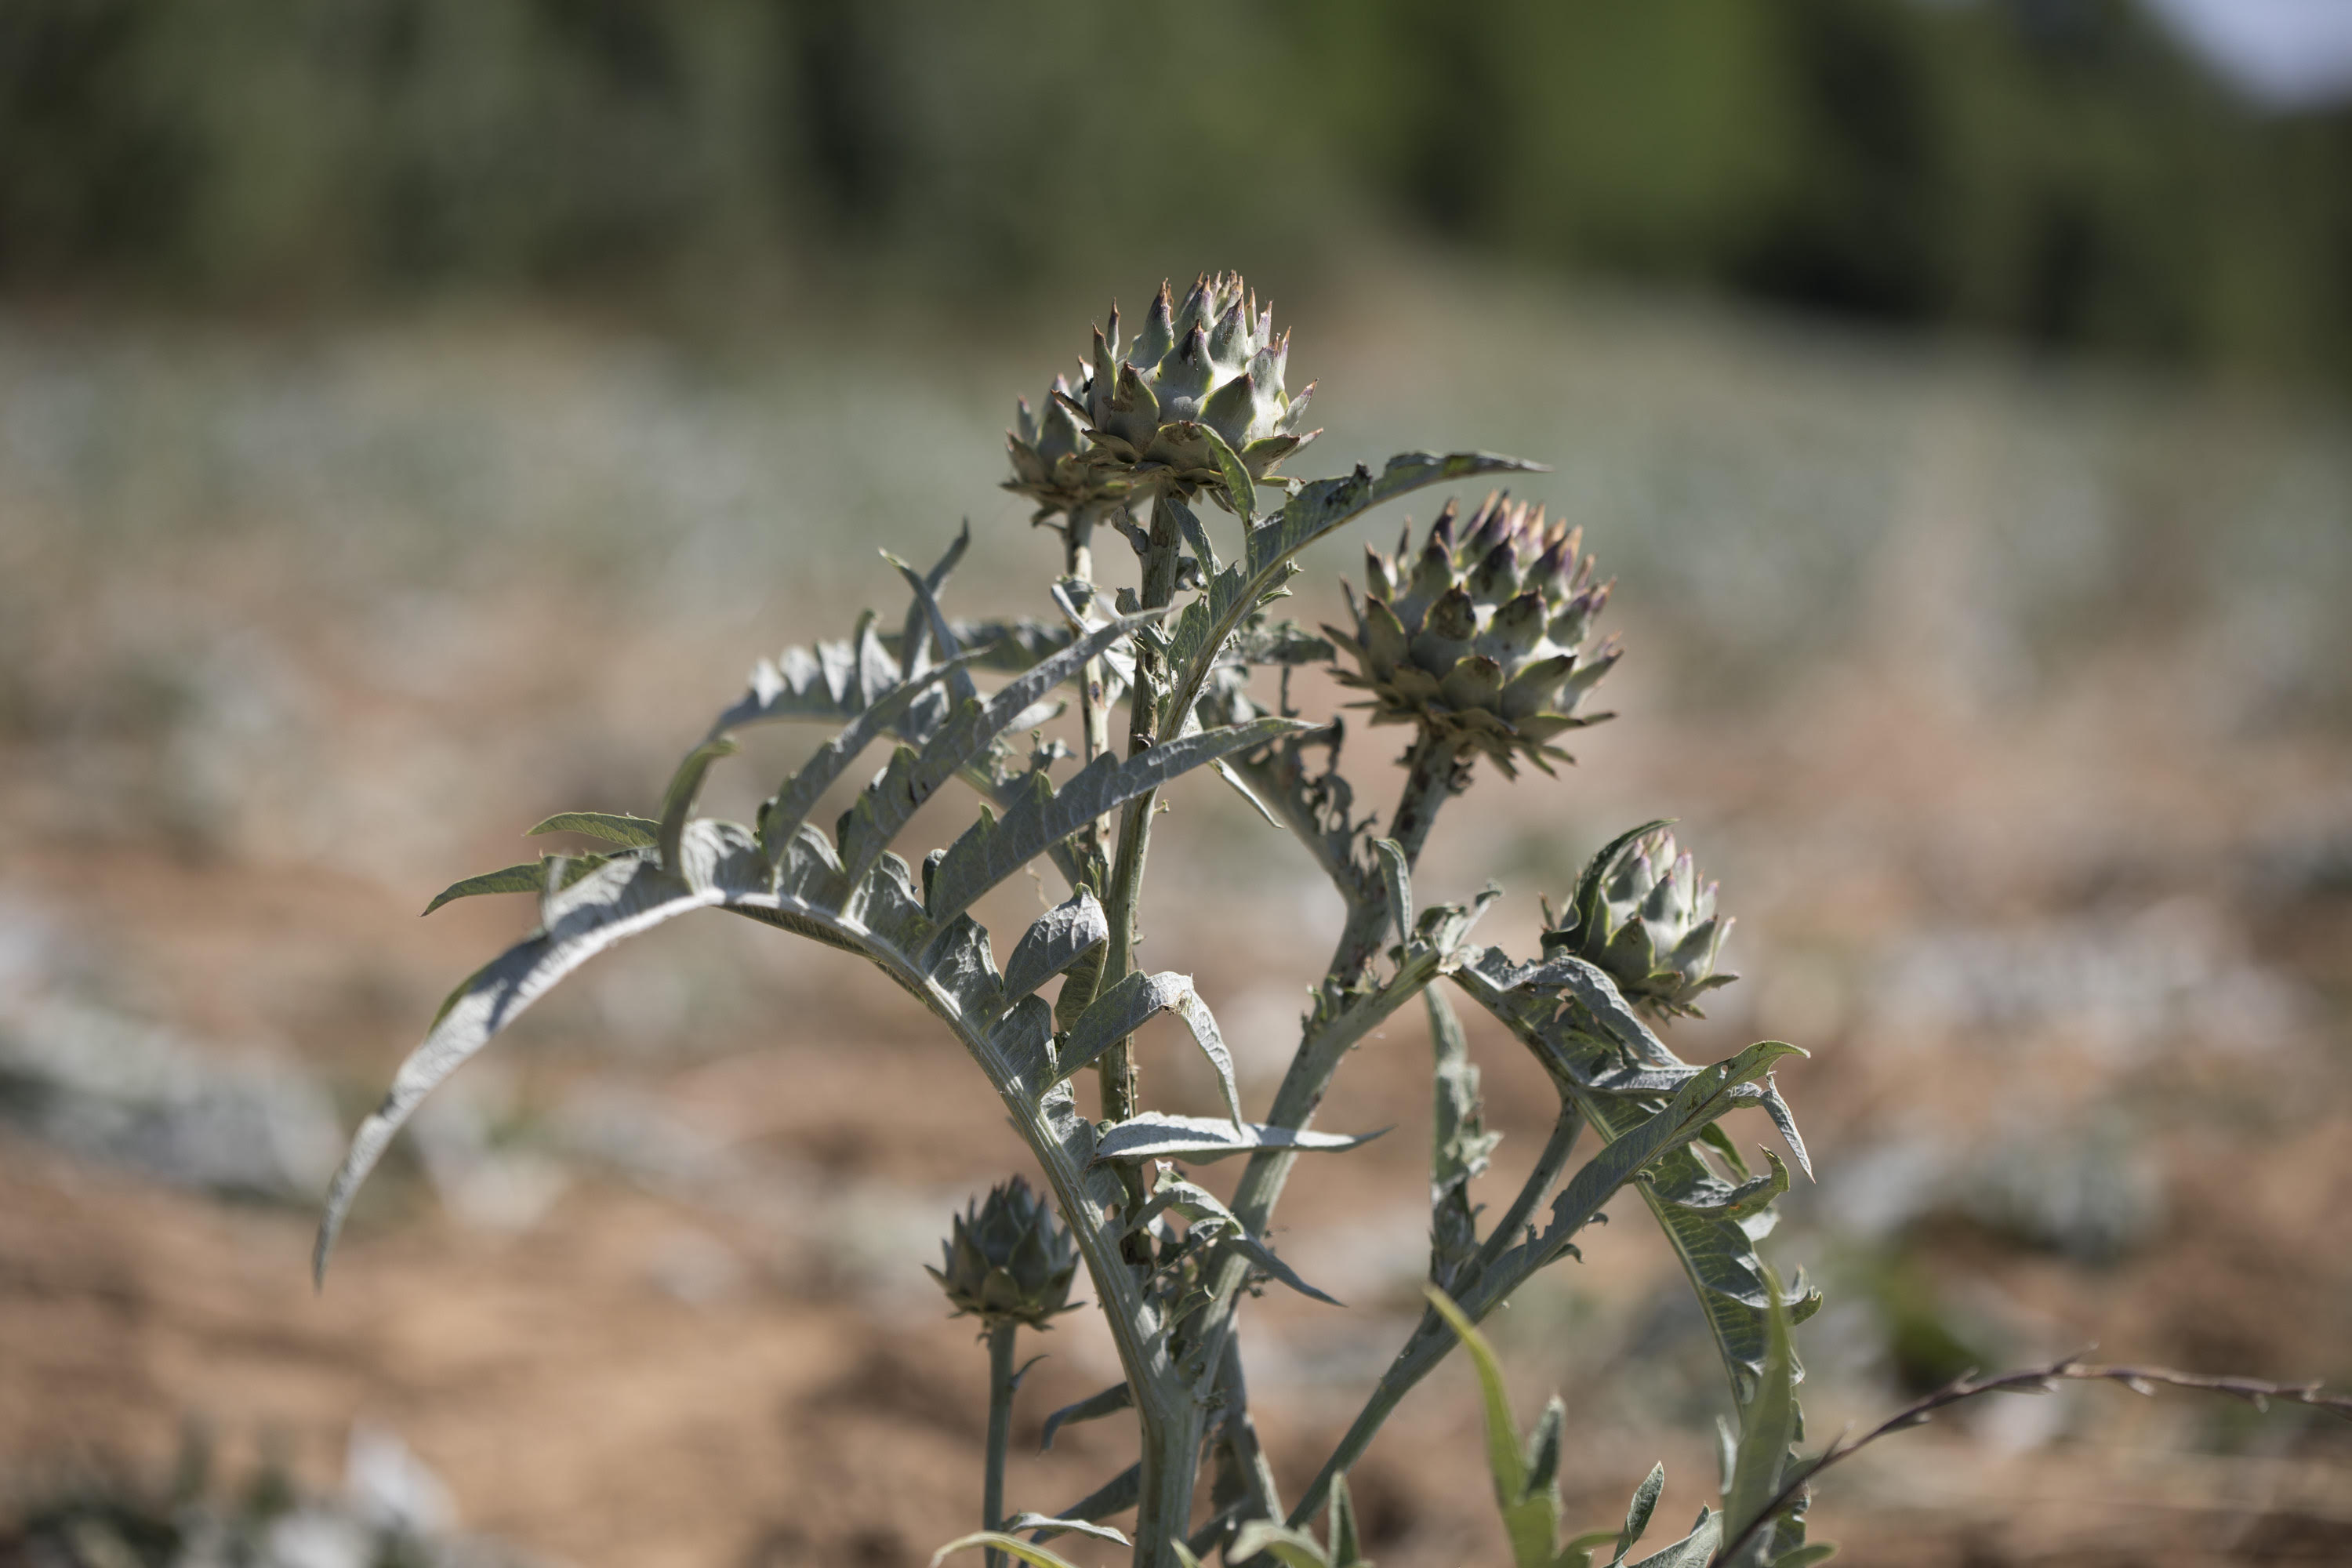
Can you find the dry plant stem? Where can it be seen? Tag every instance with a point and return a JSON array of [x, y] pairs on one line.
[[2032, 1380], [999, 1425]]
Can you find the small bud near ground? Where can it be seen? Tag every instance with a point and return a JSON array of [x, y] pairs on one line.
[[1008, 1259]]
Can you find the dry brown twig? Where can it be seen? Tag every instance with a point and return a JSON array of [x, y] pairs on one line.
[[2036, 1380]]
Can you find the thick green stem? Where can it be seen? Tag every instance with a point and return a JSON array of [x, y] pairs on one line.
[[1094, 711], [1429, 779], [1119, 1089], [1000, 1426], [1480, 1289], [1164, 1514]]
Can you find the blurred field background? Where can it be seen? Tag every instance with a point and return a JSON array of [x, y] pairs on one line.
[[414, 417]]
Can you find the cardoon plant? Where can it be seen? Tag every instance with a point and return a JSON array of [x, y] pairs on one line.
[[1480, 648]]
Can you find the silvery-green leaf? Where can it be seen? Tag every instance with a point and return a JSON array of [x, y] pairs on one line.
[[1749, 1197], [684, 788], [1317, 509], [1188, 525], [1291, 1548], [923, 616], [1588, 884], [1718, 1255], [1119, 1396], [1200, 1139], [1040, 817], [798, 797], [1011, 1545], [1768, 1426], [969, 730], [1347, 1543], [617, 900], [1261, 1256], [613, 827], [1053, 942], [1039, 1521], [1241, 494], [1786, 1123], [528, 878], [1693, 1551], [1593, 987], [1638, 1512], [1531, 1537], [1115, 1495], [1118, 1013]]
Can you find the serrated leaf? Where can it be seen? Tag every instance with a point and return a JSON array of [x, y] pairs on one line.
[[616, 901], [1598, 995], [1012, 1545], [1261, 1256], [1041, 817], [1163, 1136], [1065, 1527], [613, 827], [1717, 1255], [1768, 1426], [969, 732], [1749, 1197], [790, 804], [1054, 941], [1119, 1396], [685, 788]]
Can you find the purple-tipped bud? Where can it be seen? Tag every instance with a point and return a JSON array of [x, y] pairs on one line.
[[1497, 574], [1441, 533]]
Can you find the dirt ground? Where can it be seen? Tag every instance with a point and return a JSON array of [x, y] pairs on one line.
[[2066, 919]]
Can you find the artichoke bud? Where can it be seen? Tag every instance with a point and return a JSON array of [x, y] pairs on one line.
[[1480, 636], [1007, 1258], [1642, 914], [1213, 361], [1048, 453]]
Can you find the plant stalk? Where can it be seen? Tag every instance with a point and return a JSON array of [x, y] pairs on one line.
[[1477, 1292], [1119, 1088], [1001, 1333], [1429, 778]]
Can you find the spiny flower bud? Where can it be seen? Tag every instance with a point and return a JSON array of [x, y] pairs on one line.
[[1642, 914], [1147, 407], [1050, 465], [1008, 1258], [1479, 636]]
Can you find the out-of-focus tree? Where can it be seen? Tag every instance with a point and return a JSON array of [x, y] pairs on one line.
[[2058, 170]]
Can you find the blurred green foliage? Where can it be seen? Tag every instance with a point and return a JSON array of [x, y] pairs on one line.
[[2057, 170]]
